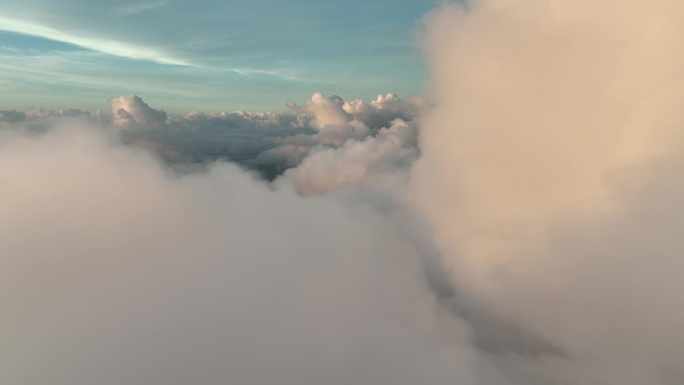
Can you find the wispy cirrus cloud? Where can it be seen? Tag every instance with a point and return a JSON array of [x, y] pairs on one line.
[[138, 8], [109, 46]]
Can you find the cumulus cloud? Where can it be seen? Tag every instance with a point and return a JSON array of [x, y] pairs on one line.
[[333, 123], [326, 111], [550, 172], [337, 120], [268, 142], [357, 163], [202, 121], [384, 109], [130, 110], [357, 144]]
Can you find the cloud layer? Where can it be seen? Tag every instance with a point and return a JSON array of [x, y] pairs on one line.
[[264, 141]]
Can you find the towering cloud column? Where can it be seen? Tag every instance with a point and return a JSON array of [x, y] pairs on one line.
[[552, 176]]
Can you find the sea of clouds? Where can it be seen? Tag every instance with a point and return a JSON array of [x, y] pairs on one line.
[[520, 224]]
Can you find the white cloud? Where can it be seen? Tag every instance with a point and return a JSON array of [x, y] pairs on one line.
[[108, 46], [114, 271], [334, 124], [326, 111], [267, 141], [384, 109], [358, 163], [551, 175], [132, 110]]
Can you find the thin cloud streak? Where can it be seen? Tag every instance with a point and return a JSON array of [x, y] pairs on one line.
[[111, 47], [138, 8]]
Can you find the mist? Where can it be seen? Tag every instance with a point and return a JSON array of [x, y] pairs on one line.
[[115, 271]]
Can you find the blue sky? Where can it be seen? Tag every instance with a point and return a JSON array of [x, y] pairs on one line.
[[208, 55]]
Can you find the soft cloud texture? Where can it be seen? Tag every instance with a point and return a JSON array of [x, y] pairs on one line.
[[265, 141], [384, 109], [550, 174], [358, 163], [334, 124], [115, 271], [129, 110], [525, 229]]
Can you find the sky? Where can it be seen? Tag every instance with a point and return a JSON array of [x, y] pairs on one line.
[[206, 55]]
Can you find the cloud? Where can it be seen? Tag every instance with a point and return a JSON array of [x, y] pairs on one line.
[[43, 115], [549, 174], [238, 136], [525, 229], [12, 116], [40, 119], [334, 124], [117, 271], [125, 49], [138, 8], [357, 163], [285, 156], [326, 111], [383, 110], [129, 110], [268, 142]]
